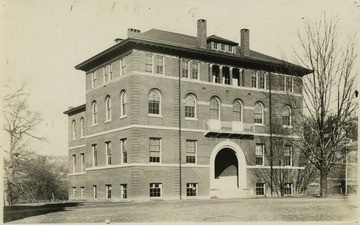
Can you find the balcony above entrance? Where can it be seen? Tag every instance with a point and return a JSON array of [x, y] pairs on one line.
[[234, 129]]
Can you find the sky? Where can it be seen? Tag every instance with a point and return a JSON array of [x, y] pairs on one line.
[[42, 41]]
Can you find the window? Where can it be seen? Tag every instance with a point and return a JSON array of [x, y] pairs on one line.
[[230, 48], [288, 189], [110, 71], [82, 127], [154, 150], [74, 192], [226, 76], [148, 63], [261, 80], [155, 189], [123, 106], [190, 106], [191, 189], [93, 80], [82, 161], [259, 113], [94, 191], [108, 108], [94, 112], [286, 116], [108, 152], [237, 108], [215, 45], [259, 154], [191, 146], [94, 150], [287, 84], [123, 145], [260, 189], [215, 108], [194, 70], [74, 163], [185, 68], [73, 129], [105, 74], [159, 64], [154, 102], [253, 79], [222, 47], [287, 155], [122, 66], [123, 191], [108, 191], [82, 189]]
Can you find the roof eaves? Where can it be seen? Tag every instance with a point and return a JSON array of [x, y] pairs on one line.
[[73, 110]]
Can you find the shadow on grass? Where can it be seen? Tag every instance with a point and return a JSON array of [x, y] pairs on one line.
[[17, 212]]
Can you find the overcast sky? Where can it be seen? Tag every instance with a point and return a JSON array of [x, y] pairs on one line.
[[42, 40]]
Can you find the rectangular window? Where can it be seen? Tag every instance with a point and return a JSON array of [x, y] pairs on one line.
[[191, 146], [185, 69], [123, 191], [82, 189], [159, 64], [94, 191], [108, 191], [262, 81], [253, 80], [289, 84], [154, 150], [215, 45], [122, 66], [191, 189], [123, 145], [287, 155], [105, 73], [148, 63], [230, 48], [108, 152], [288, 189], [226, 76], [155, 190], [260, 189], [94, 150], [259, 154], [74, 192], [93, 79], [74, 163], [222, 47], [194, 70], [110, 71], [82, 160]]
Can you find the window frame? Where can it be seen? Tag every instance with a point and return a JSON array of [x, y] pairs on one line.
[[124, 152], [93, 79], [257, 113], [186, 110], [108, 152], [124, 191], [108, 108], [237, 112], [149, 63], [94, 112], [82, 133], [94, 155], [73, 125], [82, 190], [74, 163], [73, 192], [151, 105], [159, 66], [218, 109], [191, 190], [185, 64], [195, 69], [153, 152], [286, 116], [288, 187], [108, 191], [95, 192], [123, 104], [288, 155], [123, 66], [153, 187], [82, 162], [260, 190], [260, 156], [189, 153]]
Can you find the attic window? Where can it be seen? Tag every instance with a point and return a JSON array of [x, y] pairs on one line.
[[215, 45], [222, 47], [230, 48]]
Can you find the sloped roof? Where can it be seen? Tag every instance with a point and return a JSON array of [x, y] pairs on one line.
[[221, 40]]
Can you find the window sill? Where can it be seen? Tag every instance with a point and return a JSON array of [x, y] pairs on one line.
[[94, 124], [155, 115], [107, 121], [259, 124], [122, 117], [190, 118], [287, 127]]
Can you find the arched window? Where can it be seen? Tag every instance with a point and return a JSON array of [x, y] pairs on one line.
[[73, 129], [94, 112], [123, 103], [215, 108], [259, 113], [108, 108], [190, 106], [237, 110], [154, 102], [82, 127], [286, 116]]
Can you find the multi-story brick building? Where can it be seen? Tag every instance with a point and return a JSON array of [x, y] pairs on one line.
[[169, 115]]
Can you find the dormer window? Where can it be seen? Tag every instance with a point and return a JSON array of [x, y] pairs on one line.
[[230, 48], [215, 45], [222, 47]]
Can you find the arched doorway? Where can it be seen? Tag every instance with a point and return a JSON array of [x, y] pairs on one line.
[[227, 170]]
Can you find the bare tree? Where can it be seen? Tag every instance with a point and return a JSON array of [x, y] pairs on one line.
[[328, 94], [20, 124]]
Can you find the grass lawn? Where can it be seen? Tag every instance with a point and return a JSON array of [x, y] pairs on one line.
[[338, 208]]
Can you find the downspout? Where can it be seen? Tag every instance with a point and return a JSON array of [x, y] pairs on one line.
[[180, 177], [271, 140]]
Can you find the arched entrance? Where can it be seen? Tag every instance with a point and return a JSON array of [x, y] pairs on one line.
[[227, 170]]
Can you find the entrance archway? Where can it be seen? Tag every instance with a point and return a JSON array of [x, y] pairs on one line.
[[227, 170]]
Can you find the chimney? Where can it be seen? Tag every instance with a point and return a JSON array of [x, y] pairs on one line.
[[131, 32], [245, 42], [201, 33]]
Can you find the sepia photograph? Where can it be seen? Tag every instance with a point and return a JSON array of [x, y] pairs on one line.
[[186, 111]]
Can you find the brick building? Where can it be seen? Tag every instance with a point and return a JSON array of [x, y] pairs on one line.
[[174, 116]]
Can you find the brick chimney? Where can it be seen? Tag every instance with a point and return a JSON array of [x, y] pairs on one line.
[[131, 32], [245, 42], [201, 33]]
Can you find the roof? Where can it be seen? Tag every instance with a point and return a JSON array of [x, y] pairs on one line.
[[155, 38], [75, 110], [221, 40]]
